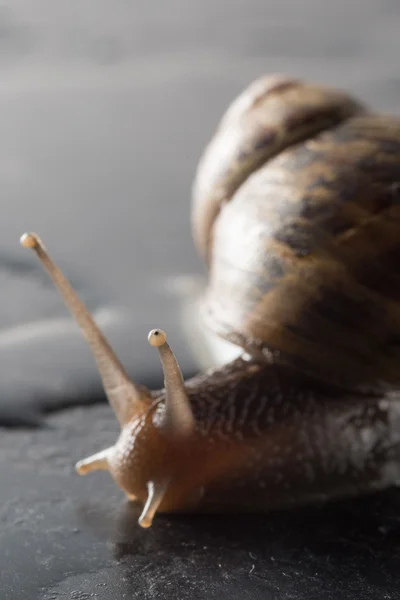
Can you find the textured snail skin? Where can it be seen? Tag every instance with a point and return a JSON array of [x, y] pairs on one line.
[[266, 437], [296, 211]]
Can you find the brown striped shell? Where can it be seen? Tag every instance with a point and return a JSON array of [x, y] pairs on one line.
[[297, 212]]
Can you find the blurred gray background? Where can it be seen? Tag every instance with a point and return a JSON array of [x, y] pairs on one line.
[[106, 106]]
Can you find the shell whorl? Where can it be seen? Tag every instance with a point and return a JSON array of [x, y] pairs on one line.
[[273, 113], [304, 255]]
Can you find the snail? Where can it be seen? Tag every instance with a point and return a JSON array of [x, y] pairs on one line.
[[296, 212]]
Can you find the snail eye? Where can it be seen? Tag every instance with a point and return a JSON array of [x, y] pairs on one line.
[[29, 240], [157, 337]]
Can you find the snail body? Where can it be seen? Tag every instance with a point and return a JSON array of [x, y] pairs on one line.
[[297, 215]]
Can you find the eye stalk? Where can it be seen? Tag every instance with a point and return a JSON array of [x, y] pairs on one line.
[[179, 418], [124, 397]]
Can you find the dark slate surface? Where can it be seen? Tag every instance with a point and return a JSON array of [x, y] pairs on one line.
[[105, 108], [69, 537]]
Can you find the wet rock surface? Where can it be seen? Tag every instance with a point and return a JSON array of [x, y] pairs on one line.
[[106, 107]]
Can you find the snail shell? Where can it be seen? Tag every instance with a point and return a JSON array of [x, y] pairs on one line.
[[297, 211]]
